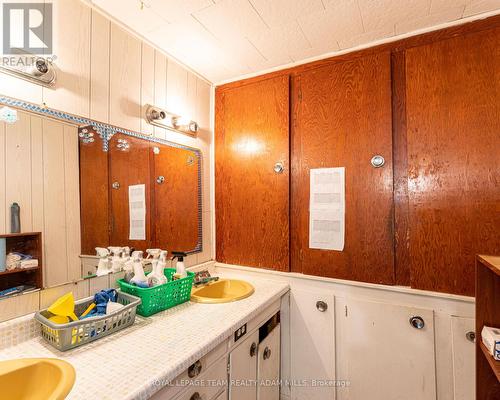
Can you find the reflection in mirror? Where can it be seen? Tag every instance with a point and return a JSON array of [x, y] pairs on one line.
[[140, 193]]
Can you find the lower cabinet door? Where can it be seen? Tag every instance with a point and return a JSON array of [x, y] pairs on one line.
[[312, 344], [385, 352], [464, 364], [243, 370], [268, 366]]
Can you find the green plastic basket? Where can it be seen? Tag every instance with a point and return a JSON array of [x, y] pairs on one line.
[[161, 297]]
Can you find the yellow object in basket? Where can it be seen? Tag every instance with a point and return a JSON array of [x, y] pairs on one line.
[[64, 306], [59, 319], [89, 309]]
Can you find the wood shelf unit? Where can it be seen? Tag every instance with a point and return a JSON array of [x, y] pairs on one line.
[[487, 314], [25, 243]]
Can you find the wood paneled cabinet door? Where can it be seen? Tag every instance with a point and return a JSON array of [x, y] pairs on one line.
[[252, 174], [176, 193], [453, 131], [342, 118], [129, 164], [94, 196]]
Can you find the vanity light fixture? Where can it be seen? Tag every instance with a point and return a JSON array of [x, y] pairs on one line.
[[164, 119], [8, 115], [37, 70]]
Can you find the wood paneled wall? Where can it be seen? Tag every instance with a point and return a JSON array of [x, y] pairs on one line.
[[438, 206], [251, 201], [453, 144], [342, 118], [39, 171], [108, 74]]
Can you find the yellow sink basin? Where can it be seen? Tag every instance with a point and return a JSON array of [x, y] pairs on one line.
[[222, 291], [36, 379]]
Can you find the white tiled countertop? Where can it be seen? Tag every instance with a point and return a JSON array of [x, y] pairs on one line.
[[128, 364]]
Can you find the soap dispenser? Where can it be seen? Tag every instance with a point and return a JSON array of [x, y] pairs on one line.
[[180, 271], [103, 266], [139, 278]]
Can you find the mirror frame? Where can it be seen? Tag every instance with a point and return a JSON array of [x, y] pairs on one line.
[[106, 132]]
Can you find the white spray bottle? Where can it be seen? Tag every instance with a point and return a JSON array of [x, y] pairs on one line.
[[116, 263], [139, 278], [103, 266], [180, 269], [157, 277]]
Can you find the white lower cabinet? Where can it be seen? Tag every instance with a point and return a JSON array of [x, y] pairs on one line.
[[268, 366], [312, 345], [243, 369], [233, 369], [382, 354], [254, 365], [464, 351]]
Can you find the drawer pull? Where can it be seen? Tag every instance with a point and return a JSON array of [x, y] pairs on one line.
[[195, 396], [253, 349], [194, 370], [267, 353]]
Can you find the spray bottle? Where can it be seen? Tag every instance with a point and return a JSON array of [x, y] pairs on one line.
[[116, 263], [139, 278], [180, 268], [103, 266], [157, 277]]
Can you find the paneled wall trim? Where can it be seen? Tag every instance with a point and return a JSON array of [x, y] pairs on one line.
[[435, 201]]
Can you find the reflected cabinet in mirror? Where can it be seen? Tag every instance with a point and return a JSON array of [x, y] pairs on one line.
[[142, 193]]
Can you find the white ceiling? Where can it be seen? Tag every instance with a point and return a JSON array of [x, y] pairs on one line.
[[225, 39]]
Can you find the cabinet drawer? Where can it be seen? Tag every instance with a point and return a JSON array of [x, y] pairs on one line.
[[210, 383], [182, 380]]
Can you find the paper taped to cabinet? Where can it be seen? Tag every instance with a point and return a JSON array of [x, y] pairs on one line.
[[137, 212], [327, 209]]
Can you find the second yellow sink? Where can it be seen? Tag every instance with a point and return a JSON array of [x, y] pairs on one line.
[[222, 291], [36, 379]]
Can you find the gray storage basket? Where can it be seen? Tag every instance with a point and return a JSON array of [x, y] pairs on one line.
[[73, 334]]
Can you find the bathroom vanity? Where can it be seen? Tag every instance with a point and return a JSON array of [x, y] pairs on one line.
[[190, 352]]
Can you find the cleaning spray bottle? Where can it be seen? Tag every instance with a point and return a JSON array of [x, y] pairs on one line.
[[180, 269], [116, 263], [157, 277], [128, 267], [103, 266], [139, 278]]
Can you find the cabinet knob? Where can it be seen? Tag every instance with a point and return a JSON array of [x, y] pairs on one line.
[[417, 322], [471, 336], [116, 185], [195, 369], [253, 349], [267, 353], [377, 161], [321, 306], [195, 396], [279, 167], [160, 179]]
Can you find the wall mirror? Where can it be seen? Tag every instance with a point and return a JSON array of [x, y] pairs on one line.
[[141, 192], [73, 177]]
